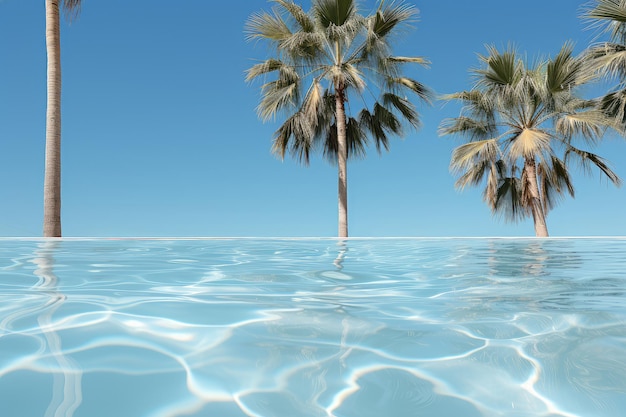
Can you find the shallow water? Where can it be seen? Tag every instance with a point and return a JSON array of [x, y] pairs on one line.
[[313, 327]]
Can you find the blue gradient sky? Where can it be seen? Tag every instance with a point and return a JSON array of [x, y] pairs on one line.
[[161, 138]]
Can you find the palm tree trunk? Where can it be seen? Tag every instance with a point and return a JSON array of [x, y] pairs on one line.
[[342, 164], [52, 176], [539, 217]]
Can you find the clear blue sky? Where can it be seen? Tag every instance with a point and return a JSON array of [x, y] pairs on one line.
[[161, 138]]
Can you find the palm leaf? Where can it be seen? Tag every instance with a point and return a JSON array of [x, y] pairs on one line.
[[356, 140], [278, 95], [589, 124], [608, 59], [609, 16], [563, 72], [474, 176], [509, 202], [404, 106], [349, 75], [299, 15], [334, 12], [409, 60], [313, 104], [269, 66], [614, 106], [404, 83], [554, 182], [587, 159], [267, 26], [502, 68], [528, 143], [466, 126], [387, 18], [71, 8], [464, 157], [296, 137]]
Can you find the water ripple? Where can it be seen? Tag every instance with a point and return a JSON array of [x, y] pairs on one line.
[[278, 327]]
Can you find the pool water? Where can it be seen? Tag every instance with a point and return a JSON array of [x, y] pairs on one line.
[[313, 327]]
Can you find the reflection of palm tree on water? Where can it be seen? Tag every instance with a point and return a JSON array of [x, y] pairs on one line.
[[343, 248], [67, 392], [534, 254]]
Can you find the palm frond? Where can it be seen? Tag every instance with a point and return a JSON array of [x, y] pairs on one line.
[[509, 202], [528, 143], [480, 105], [374, 124], [295, 136], [266, 67], [554, 182], [608, 59], [468, 155], [268, 26], [475, 175], [334, 12], [404, 106], [469, 127], [389, 16], [502, 69], [71, 8], [420, 60], [313, 104], [587, 159], [404, 83], [613, 105], [379, 123], [609, 16], [589, 124], [277, 95], [305, 46], [563, 72], [305, 23], [348, 75], [356, 140]]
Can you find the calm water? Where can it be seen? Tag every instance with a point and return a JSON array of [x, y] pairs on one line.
[[279, 327]]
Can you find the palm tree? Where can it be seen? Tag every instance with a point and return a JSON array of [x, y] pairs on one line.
[[608, 59], [327, 64], [520, 123], [52, 176]]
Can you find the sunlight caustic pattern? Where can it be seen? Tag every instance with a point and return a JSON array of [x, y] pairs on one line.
[[275, 327]]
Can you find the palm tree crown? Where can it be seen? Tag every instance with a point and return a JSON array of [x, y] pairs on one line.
[[328, 64], [520, 123], [608, 59]]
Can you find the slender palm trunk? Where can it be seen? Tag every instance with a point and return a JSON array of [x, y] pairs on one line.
[[342, 164], [52, 176], [539, 217]]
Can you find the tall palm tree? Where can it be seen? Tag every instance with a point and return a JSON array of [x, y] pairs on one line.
[[327, 64], [608, 59], [521, 123], [52, 176]]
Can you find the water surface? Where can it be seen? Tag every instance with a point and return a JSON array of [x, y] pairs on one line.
[[313, 327]]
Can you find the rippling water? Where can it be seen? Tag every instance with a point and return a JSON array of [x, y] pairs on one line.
[[319, 327]]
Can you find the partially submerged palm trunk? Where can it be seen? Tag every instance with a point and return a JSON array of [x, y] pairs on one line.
[[539, 216], [342, 164], [52, 176]]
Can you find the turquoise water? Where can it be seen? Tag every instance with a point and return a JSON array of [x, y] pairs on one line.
[[318, 327]]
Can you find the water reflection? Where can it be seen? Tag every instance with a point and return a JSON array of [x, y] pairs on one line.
[[67, 392], [525, 258], [289, 327], [342, 245]]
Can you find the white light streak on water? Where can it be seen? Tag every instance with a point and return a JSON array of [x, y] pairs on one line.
[[313, 327]]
